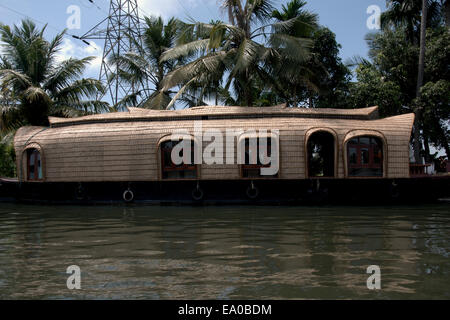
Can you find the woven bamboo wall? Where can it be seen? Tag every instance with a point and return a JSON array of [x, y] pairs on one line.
[[128, 151]]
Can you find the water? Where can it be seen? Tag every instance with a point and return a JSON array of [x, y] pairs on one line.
[[224, 252]]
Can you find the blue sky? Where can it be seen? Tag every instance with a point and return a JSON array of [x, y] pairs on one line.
[[346, 18]]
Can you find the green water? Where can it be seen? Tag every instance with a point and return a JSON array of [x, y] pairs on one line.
[[224, 252]]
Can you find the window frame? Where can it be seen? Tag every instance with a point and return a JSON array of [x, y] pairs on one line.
[[359, 146], [37, 157], [176, 168]]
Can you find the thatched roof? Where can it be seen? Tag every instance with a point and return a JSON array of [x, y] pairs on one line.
[[218, 112]]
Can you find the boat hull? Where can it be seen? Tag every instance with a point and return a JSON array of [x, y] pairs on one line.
[[311, 191]]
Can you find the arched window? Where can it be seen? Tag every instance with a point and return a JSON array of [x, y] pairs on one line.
[[365, 157], [170, 170], [34, 165], [321, 154]]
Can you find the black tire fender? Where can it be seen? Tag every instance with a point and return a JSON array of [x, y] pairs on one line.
[[252, 192], [128, 196], [197, 194]]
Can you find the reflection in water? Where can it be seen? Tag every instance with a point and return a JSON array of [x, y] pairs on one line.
[[224, 252]]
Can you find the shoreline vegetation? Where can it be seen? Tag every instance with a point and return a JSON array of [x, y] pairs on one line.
[[260, 56]]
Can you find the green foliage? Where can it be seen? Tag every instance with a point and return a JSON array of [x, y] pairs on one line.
[[7, 160], [390, 79], [330, 74], [372, 89], [435, 102], [437, 57], [435, 94], [396, 59]]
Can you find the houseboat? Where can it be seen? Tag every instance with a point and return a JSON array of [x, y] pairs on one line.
[[317, 155]]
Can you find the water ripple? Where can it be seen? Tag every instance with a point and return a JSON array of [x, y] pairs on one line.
[[224, 252]]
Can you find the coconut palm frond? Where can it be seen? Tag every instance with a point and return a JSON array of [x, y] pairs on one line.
[[10, 119], [67, 111], [65, 73], [185, 49], [300, 26], [356, 61], [13, 78], [134, 68], [192, 70], [78, 90], [53, 48], [261, 10], [292, 48], [180, 92], [158, 100], [35, 94]]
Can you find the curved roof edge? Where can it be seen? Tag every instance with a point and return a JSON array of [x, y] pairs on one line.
[[218, 112], [403, 123], [24, 135]]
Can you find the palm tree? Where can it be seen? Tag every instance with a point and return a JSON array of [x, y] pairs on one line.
[[251, 49], [295, 9], [34, 85], [145, 65], [415, 15], [301, 82], [408, 13]]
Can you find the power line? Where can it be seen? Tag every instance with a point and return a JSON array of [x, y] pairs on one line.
[[146, 13], [95, 5], [66, 34], [35, 20], [184, 8], [207, 7], [85, 6]]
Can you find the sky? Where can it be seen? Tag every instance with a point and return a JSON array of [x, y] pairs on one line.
[[350, 20]]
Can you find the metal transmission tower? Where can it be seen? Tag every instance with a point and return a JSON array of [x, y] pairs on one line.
[[122, 25]]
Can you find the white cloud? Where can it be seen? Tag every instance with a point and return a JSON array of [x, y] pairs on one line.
[[71, 49], [171, 8], [165, 8]]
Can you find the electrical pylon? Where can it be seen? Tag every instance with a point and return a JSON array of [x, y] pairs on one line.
[[120, 36]]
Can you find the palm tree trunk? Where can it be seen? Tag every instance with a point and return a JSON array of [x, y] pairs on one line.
[[418, 111], [426, 146], [249, 91], [249, 97]]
